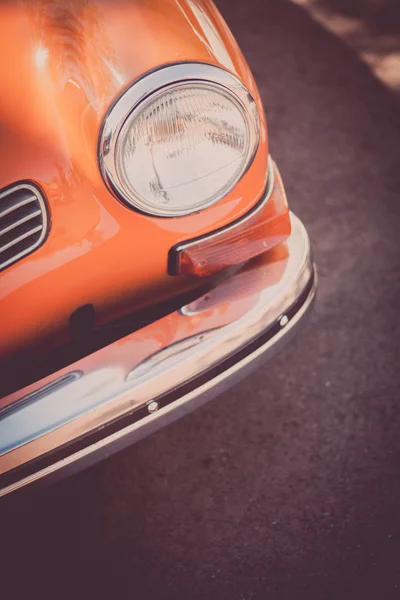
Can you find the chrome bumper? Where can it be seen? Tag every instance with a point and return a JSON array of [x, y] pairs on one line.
[[155, 375]]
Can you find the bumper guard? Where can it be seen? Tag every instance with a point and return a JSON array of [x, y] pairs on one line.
[[131, 388]]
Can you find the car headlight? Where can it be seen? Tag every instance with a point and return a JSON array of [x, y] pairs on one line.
[[179, 139]]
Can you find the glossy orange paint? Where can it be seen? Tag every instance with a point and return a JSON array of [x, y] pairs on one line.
[[69, 59], [206, 314]]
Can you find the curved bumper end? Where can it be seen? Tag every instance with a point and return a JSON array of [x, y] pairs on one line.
[[131, 388]]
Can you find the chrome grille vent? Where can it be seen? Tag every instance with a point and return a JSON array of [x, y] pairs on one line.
[[23, 222]]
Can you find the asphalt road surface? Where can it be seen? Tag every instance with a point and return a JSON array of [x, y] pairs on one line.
[[288, 486]]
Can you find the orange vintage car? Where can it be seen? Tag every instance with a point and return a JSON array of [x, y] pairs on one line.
[[148, 258]]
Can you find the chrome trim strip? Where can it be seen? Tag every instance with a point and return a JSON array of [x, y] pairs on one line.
[[170, 75], [40, 393], [110, 388]]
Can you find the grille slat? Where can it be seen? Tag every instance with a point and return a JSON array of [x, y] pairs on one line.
[[21, 237], [15, 203], [13, 225], [23, 222]]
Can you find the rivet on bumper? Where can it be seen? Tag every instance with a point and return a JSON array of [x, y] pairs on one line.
[[152, 407], [284, 320]]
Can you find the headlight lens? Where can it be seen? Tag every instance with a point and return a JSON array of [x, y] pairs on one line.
[[183, 147]]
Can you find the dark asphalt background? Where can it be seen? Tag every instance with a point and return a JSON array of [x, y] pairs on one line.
[[287, 486]]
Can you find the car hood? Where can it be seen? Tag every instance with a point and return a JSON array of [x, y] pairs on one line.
[[68, 60]]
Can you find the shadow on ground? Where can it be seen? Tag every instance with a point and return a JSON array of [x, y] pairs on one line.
[[381, 16], [370, 27]]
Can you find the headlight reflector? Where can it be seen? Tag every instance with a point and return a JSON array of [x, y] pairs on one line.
[[183, 146]]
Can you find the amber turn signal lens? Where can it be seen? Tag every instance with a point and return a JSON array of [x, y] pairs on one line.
[[266, 227]]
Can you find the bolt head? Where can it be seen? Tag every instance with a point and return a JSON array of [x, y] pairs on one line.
[[152, 407], [283, 321]]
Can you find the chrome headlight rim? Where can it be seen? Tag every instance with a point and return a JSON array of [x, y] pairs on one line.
[[145, 88]]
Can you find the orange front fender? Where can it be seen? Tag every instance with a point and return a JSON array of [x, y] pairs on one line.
[[68, 61]]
